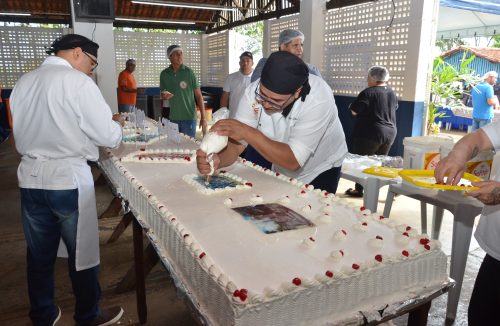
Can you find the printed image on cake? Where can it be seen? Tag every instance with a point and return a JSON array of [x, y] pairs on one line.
[[273, 218], [161, 156], [221, 182], [141, 138]]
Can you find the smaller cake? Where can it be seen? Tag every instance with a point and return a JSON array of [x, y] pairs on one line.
[[219, 183], [144, 137], [161, 156]]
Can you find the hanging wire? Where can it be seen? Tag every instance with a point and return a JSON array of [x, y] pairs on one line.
[[393, 14]]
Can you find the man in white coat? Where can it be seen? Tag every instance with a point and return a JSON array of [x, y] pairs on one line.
[[60, 118]]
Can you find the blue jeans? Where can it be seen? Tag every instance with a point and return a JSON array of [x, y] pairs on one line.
[[125, 108], [187, 127], [479, 123], [48, 215]]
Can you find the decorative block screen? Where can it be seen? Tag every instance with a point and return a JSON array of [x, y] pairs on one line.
[[278, 25], [217, 60], [358, 37], [150, 51], [22, 49]]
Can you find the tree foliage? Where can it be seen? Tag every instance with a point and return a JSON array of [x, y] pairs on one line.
[[448, 87], [446, 45]]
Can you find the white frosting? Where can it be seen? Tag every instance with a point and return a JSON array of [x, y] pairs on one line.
[[219, 254]]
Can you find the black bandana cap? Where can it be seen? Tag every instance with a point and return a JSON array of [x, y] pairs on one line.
[[283, 73], [71, 41]]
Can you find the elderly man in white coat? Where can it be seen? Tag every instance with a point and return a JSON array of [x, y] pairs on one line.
[[59, 119]]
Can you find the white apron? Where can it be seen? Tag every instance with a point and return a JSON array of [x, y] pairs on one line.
[[87, 236]]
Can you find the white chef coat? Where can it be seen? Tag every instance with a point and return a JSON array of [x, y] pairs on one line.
[[59, 119], [488, 230], [235, 84], [312, 129]]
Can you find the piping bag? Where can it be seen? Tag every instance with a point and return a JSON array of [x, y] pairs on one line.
[[212, 144]]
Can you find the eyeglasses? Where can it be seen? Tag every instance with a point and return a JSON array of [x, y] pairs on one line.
[[264, 99], [94, 61]]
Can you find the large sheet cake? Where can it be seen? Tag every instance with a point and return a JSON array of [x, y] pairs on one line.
[[339, 269]]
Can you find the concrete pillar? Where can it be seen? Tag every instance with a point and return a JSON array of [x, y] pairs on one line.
[[105, 74], [312, 24]]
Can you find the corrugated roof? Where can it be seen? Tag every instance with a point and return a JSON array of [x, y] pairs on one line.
[[490, 54]]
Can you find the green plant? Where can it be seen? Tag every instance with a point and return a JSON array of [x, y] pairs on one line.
[[448, 86]]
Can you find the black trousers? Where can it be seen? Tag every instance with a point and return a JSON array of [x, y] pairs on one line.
[[365, 146], [484, 305], [328, 180]]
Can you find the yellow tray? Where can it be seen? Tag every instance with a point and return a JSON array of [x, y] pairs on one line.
[[382, 171], [422, 178]]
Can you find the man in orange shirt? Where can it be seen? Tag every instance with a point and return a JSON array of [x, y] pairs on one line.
[[127, 88]]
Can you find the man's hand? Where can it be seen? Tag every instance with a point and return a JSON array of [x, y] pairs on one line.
[[119, 118], [202, 162], [166, 95], [232, 128], [489, 192], [451, 166]]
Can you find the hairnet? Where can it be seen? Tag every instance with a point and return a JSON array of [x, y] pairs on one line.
[[288, 35], [171, 49]]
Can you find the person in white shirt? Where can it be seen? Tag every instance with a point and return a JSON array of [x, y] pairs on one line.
[[60, 118], [485, 299], [235, 84], [291, 119]]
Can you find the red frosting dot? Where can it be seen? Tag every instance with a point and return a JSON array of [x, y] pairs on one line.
[[362, 208], [427, 247], [329, 274], [381, 217], [236, 293], [379, 237], [312, 239], [341, 252], [405, 253], [406, 234], [408, 228], [186, 235], [355, 266], [243, 296], [277, 173], [203, 254], [378, 258], [344, 231], [364, 224], [248, 184], [297, 281], [187, 158], [302, 191], [424, 241]]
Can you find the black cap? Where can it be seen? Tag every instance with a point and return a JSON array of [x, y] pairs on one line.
[[284, 73], [247, 54], [71, 41]]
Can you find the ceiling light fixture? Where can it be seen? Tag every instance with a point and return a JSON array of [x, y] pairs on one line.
[[15, 14], [155, 21], [183, 5]]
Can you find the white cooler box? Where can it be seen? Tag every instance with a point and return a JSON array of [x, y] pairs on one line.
[[424, 152]]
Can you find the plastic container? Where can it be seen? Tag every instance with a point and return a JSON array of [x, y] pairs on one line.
[[423, 152], [480, 165]]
